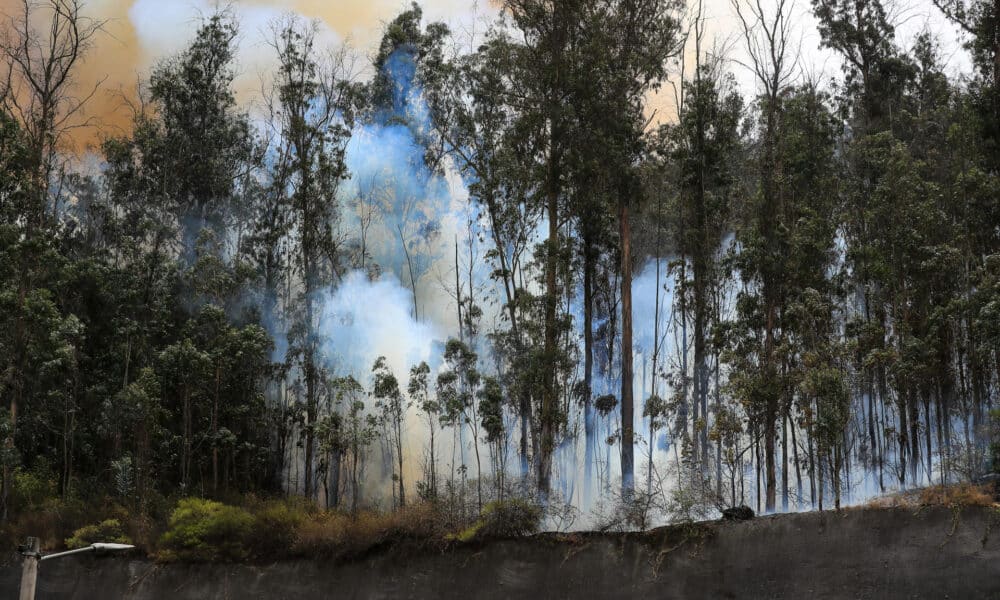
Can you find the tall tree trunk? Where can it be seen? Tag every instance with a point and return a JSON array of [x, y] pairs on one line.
[[901, 435], [928, 460], [872, 442], [458, 295], [770, 412], [186, 453], [682, 410], [310, 369], [413, 279], [399, 456], [215, 429], [915, 458], [628, 409], [588, 367], [811, 443], [798, 468], [548, 413], [784, 461], [433, 458]]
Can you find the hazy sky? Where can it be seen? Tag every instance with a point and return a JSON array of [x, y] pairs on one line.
[[140, 31]]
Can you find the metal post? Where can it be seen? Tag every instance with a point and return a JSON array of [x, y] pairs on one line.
[[32, 555], [29, 568]]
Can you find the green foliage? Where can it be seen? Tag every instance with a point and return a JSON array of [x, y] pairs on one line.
[[457, 384], [200, 135], [385, 389], [204, 530], [403, 34], [109, 531], [491, 410], [32, 489]]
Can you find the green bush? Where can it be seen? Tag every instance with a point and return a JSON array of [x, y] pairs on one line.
[[204, 530], [33, 488], [109, 530]]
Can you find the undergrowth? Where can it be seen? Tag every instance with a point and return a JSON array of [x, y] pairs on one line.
[[254, 529]]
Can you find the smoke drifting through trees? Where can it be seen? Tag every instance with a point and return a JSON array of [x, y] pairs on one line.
[[484, 273]]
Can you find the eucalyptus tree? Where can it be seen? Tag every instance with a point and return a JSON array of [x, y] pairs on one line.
[[457, 388], [623, 54], [204, 140], [876, 76], [541, 67], [702, 148], [803, 252], [41, 48], [316, 102], [389, 399], [14, 162], [979, 20], [974, 140], [875, 71], [766, 34], [174, 174], [823, 387], [418, 389], [185, 368], [491, 412], [474, 115], [356, 432]]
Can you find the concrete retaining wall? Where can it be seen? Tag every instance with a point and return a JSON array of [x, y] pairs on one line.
[[860, 553]]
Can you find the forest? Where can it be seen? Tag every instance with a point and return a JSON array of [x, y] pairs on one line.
[[468, 271]]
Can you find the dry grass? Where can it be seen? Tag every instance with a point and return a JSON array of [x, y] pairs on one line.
[[956, 495], [341, 535], [909, 498], [965, 494]]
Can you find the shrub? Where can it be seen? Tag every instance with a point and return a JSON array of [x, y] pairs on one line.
[[511, 518], [204, 530], [32, 489], [275, 529], [515, 517], [109, 530]]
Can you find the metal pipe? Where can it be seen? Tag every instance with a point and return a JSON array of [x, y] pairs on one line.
[[68, 552]]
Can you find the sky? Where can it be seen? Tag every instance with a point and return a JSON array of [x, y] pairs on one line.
[[140, 32]]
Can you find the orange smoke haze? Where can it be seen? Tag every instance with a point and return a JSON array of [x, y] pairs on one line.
[[137, 33], [140, 32]]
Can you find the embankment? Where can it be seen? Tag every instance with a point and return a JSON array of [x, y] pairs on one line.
[[859, 553]]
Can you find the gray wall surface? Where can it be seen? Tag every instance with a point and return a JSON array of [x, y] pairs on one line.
[[857, 553]]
